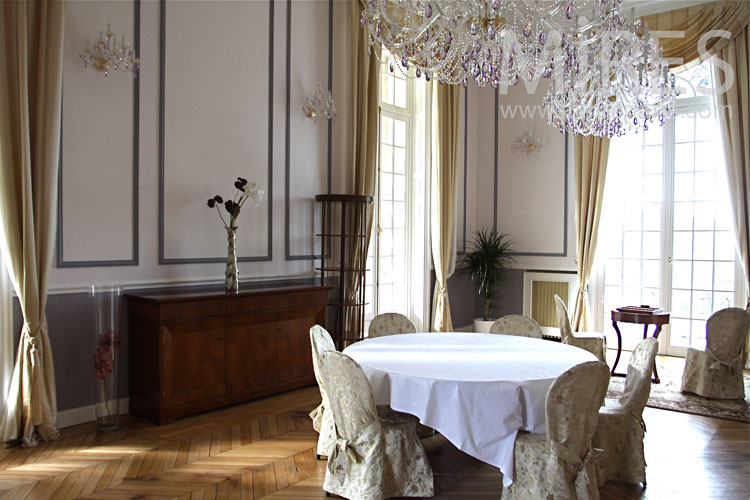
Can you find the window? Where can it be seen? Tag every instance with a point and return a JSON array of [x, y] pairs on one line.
[[666, 234], [396, 258]]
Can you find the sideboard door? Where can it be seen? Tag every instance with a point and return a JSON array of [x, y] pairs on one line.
[[251, 357], [197, 364], [295, 354]]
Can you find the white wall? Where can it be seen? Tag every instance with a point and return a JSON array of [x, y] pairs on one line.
[[525, 196], [218, 103]]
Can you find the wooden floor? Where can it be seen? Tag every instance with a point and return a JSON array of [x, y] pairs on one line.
[[265, 450]]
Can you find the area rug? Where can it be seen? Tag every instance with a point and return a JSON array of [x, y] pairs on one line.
[[667, 395]]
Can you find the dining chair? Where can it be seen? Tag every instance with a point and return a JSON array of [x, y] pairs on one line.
[[321, 341], [621, 428], [562, 463], [716, 372], [593, 342], [517, 324], [390, 324], [373, 457]]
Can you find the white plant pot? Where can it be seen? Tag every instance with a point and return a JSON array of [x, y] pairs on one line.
[[482, 326]]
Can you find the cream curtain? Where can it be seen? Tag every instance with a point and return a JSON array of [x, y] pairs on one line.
[[683, 45], [443, 196], [590, 168], [31, 58], [6, 333], [364, 130], [733, 108]]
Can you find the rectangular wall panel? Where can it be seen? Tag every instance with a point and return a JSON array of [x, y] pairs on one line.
[[215, 125], [531, 188], [98, 192], [308, 153]]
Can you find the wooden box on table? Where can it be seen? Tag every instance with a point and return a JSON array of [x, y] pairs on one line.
[[201, 349]]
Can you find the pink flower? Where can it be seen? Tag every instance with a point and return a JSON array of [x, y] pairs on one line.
[[104, 354]]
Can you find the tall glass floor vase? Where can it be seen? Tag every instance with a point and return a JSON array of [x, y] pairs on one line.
[[105, 305]]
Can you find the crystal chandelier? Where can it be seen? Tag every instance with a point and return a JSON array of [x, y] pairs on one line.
[[502, 42], [611, 86], [526, 143], [494, 42], [107, 54], [320, 103]]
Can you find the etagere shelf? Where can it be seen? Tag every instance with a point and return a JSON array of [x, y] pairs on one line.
[[343, 253]]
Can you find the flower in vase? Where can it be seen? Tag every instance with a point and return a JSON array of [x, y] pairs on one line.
[[103, 357], [245, 190]]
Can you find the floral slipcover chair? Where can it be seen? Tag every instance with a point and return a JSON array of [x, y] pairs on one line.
[[516, 324], [390, 324], [374, 457], [562, 463], [593, 342], [717, 372], [621, 429]]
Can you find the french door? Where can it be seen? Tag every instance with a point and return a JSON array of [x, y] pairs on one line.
[[666, 233]]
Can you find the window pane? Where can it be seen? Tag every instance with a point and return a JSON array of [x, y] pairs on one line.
[[703, 248], [679, 332], [400, 93], [632, 247], [681, 303], [651, 273], [681, 274], [613, 272], [683, 186], [399, 160], [386, 214], [682, 245], [386, 88], [652, 187], [698, 334], [399, 188], [386, 186], [705, 188], [399, 214], [651, 245], [701, 305], [386, 130], [632, 273], [724, 279], [683, 216], [651, 296], [722, 300], [683, 157], [386, 158], [703, 215], [652, 216], [702, 275], [725, 246], [653, 156], [684, 128], [399, 133]]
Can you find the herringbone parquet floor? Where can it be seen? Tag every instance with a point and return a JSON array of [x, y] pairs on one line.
[[265, 450]]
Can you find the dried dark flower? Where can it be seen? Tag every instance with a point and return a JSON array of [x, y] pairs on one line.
[[239, 186], [229, 205], [218, 199], [211, 202], [242, 180]]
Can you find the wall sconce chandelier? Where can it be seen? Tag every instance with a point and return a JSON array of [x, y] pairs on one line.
[[320, 104], [525, 143], [107, 55]]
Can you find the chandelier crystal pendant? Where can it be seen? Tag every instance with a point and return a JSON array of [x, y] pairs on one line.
[[493, 42], [107, 55], [612, 86], [604, 73]]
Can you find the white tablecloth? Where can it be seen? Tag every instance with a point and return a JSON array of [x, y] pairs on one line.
[[476, 389]]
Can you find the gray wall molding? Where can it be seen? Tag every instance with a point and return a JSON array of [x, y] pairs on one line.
[[133, 261], [287, 165], [466, 147], [269, 190], [564, 252]]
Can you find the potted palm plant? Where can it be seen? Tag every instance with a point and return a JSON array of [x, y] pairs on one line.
[[487, 262]]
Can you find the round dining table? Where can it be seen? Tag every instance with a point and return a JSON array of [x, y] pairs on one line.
[[477, 389]]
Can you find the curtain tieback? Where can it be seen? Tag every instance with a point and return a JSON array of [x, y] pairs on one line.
[[442, 291], [33, 343], [718, 363]]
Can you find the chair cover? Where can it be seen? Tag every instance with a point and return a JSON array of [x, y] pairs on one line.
[[717, 372], [562, 464], [620, 430], [516, 324], [373, 458], [390, 324], [321, 341], [593, 342]]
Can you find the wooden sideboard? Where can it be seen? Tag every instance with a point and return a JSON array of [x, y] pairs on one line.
[[196, 350]]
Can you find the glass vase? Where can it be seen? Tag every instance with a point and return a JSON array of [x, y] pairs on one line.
[[105, 305], [232, 274]]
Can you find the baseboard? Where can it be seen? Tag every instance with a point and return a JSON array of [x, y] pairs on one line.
[[83, 414], [467, 328]]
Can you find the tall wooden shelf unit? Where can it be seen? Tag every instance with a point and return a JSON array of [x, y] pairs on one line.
[[342, 263]]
